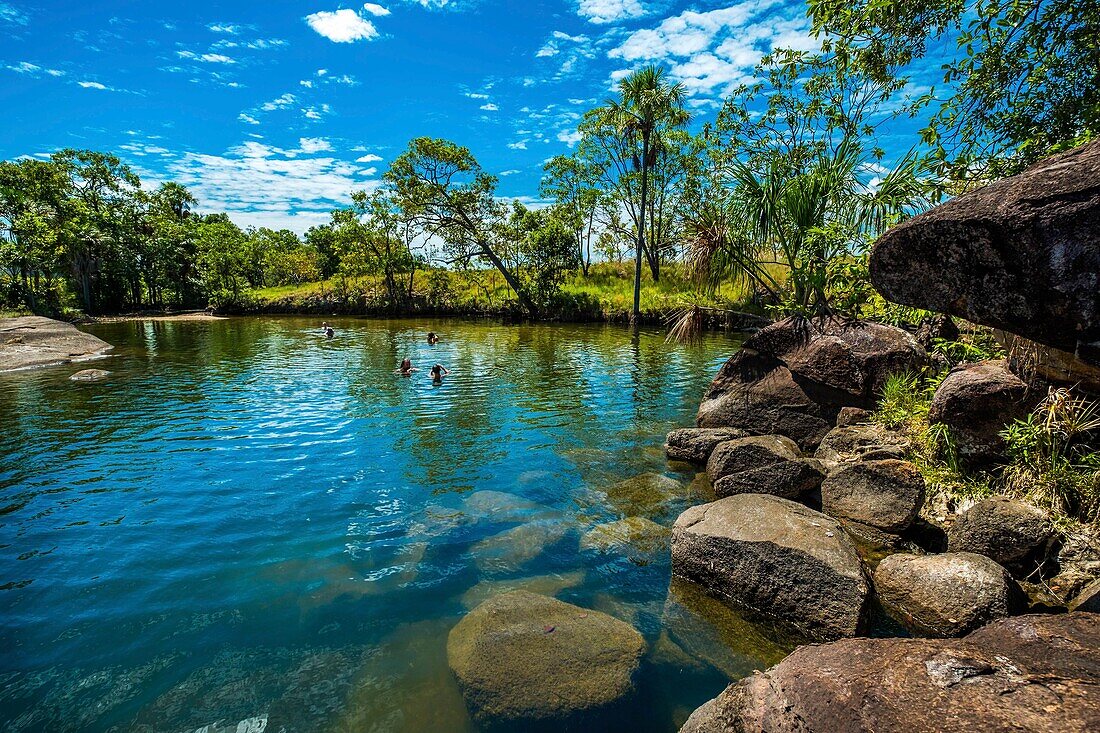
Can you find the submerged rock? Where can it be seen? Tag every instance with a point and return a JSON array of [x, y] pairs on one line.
[[648, 494], [793, 377], [885, 494], [945, 595], [1019, 536], [976, 402], [776, 559], [90, 375], [1021, 254], [694, 445], [522, 659], [512, 549], [31, 341], [630, 536], [1030, 673], [543, 585], [500, 506]]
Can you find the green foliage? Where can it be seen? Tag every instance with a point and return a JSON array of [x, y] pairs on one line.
[[1054, 461], [1020, 85]]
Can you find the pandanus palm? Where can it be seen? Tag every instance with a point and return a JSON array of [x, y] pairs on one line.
[[647, 104]]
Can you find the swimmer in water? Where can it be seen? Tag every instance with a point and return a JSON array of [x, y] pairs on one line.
[[329, 333], [438, 372], [406, 369], [432, 338]]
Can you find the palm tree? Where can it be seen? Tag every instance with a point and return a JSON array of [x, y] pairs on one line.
[[648, 103]]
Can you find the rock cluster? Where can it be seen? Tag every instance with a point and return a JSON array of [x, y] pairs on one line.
[[793, 377]]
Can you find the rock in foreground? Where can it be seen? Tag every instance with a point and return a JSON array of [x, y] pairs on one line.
[[945, 595], [32, 341], [793, 377], [1021, 254], [1030, 673], [884, 494], [525, 659], [774, 558], [976, 402]]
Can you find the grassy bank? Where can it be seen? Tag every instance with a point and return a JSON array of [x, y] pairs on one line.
[[606, 294]]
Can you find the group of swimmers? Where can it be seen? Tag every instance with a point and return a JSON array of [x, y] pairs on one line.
[[406, 369]]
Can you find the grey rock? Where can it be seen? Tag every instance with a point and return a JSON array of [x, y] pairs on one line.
[[90, 375], [886, 494], [976, 402], [34, 341], [788, 479], [1021, 254], [774, 558], [1017, 535], [867, 441], [945, 595], [694, 445], [746, 454]]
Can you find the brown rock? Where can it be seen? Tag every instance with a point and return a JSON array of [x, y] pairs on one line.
[[976, 402], [694, 445], [746, 454], [1036, 674], [33, 341], [1021, 254], [788, 479], [886, 494], [1016, 535], [869, 441]]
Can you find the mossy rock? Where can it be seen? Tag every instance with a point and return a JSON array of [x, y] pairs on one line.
[[633, 536], [646, 495], [530, 660]]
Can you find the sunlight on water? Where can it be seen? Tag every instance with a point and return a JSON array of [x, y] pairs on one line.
[[249, 520]]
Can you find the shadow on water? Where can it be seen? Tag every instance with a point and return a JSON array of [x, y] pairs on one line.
[[249, 519]]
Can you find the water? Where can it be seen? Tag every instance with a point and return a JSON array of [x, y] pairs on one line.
[[248, 519]]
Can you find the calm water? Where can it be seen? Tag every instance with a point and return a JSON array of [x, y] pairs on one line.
[[247, 520]]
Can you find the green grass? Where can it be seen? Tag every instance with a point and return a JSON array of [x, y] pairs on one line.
[[607, 292]]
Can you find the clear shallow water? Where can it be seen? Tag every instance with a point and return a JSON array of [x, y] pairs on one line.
[[247, 519]]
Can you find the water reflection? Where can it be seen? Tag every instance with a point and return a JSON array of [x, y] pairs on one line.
[[249, 519]]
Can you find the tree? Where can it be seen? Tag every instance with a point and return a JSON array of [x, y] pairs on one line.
[[798, 186], [222, 259], [572, 182], [441, 187], [1023, 83], [647, 106], [542, 248]]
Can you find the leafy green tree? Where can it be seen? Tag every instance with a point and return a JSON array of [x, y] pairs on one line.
[[543, 249], [1024, 81], [168, 261], [33, 216], [572, 182], [223, 259], [647, 106], [444, 192]]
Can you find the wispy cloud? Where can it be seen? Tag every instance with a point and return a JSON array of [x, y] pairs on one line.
[[613, 11], [25, 67], [11, 14]]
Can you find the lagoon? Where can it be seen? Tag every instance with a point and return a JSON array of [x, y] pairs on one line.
[[247, 520]]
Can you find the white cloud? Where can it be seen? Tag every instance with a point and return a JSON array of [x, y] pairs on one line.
[[248, 118], [26, 67], [477, 95], [314, 145], [490, 107], [92, 85], [569, 137], [342, 26], [279, 103], [714, 51], [611, 11], [511, 172], [518, 145], [217, 58], [227, 28], [376, 10], [9, 14], [371, 158]]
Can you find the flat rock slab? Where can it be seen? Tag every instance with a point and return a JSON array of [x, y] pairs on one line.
[[945, 595], [776, 559], [34, 341], [1037, 674], [528, 660]]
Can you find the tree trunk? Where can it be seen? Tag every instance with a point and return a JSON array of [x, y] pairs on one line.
[[513, 283], [641, 231]]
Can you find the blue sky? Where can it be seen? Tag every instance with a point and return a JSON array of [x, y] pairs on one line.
[[274, 112]]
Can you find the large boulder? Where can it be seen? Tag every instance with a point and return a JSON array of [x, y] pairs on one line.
[[1017, 535], [776, 559], [793, 377], [976, 402], [746, 454], [1021, 254], [33, 341], [528, 660], [945, 595], [886, 494], [1029, 673], [694, 445]]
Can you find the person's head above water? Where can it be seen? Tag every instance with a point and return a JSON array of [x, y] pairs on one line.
[[432, 338]]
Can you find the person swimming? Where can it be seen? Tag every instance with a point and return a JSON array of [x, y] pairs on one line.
[[406, 369], [438, 371], [432, 338], [329, 333]]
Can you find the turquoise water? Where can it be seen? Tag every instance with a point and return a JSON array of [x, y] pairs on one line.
[[249, 520]]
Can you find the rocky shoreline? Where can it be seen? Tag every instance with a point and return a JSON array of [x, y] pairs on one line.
[[33, 341]]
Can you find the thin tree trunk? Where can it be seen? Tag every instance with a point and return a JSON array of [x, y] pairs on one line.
[[641, 230]]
